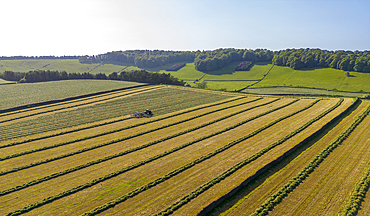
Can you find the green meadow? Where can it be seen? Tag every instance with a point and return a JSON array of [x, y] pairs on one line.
[[260, 75], [321, 78], [69, 65]]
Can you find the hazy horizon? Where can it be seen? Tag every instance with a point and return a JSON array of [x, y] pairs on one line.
[[91, 27]]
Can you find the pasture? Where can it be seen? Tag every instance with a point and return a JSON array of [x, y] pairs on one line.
[[89, 157], [260, 75]]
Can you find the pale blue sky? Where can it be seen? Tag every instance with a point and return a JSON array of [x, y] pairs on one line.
[[79, 27]]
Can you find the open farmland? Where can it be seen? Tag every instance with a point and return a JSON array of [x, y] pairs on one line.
[[87, 156]]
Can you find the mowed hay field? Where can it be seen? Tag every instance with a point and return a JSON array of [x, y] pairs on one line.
[[89, 157]]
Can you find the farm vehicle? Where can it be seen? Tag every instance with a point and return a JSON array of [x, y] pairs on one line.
[[147, 113]]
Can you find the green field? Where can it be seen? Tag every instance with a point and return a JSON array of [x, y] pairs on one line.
[[301, 91], [69, 65], [28, 93], [5, 81], [322, 78]]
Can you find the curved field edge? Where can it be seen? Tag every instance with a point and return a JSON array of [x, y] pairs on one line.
[[277, 197], [15, 97], [80, 103], [162, 101]]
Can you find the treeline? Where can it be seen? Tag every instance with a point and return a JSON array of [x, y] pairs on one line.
[[309, 58], [217, 59], [134, 76], [141, 58], [37, 57]]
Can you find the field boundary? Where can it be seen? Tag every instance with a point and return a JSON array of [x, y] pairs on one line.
[[66, 99]]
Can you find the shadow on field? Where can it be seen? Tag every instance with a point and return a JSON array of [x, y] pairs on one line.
[[227, 204]]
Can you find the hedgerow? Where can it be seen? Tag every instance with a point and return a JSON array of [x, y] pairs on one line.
[[276, 198]]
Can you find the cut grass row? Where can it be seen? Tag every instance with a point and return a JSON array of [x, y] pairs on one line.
[[212, 197], [255, 192], [167, 152], [293, 183], [191, 164], [121, 129], [106, 145], [54, 175], [171, 99], [214, 181]]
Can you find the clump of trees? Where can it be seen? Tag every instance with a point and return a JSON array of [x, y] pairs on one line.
[[217, 59], [141, 58], [309, 58], [134, 76]]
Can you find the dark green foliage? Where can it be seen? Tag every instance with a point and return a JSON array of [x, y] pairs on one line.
[[133, 76], [309, 58], [141, 58], [217, 59]]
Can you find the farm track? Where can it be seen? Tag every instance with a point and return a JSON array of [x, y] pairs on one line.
[[73, 104], [326, 189], [164, 100], [187, 177], [148, 152]]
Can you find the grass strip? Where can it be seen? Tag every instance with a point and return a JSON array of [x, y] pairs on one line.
[[277, 197], [187, 166], [352, 206], [126, 169], [107, 143], [54, 175], [77, 105], [118, 120]]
